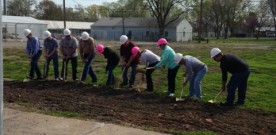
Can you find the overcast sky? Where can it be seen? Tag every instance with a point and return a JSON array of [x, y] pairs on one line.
[[85, 3]]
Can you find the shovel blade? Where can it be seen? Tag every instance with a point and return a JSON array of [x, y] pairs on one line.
[[179, 99], [211, 101]]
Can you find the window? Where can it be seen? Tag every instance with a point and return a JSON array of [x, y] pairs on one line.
[[183, 33]]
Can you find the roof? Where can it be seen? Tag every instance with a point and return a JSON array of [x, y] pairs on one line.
[[69, 24], [131, 22], [21, 20]]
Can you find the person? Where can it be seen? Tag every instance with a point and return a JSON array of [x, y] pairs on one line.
[[50, 53], [240, 72], [68, 49], [149, 59], [167, 59], [33, 51], [87, 54], [194, 73], [112, 61], [127, 60]]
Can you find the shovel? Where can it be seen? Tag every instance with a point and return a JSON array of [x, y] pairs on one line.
[[180, 98], [118, 87], [27, 79], [213, 101]]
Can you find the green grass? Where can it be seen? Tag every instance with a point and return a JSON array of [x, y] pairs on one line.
[[261, 92]]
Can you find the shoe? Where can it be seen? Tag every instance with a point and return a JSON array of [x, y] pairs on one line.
[[149, 90], [58, 79], [123, 84], [226, 104], [171, 95], [95, 84], [130, 86], [39, 78], [82, 82], [239, 103]]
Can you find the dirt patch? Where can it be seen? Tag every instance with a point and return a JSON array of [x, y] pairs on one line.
[[139, 109]]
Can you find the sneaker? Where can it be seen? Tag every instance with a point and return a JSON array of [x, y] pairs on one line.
[[95, 84], [226, 104], [123, 84], [171, 95], [149, 90], [82, 82], [239, 103], [39, 78], [58, 79]]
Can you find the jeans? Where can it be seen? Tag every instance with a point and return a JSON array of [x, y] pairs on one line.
[[87, 69], [132, 76], [171, 79], [148, 77], [74, 64], [195, 88], [237, 80], [111, 78], [55, 62], [34, 65]]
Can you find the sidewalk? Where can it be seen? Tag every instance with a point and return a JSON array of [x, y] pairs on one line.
[[25, 123]]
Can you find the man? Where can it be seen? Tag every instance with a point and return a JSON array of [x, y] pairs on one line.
[[167, 59], [240, 72], [87, 53], [127, 60], [149, 59], [51, 53], [194, 73], [68, 48], [33, 51]]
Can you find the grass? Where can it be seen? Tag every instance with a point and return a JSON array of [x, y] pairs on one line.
[[261, 92]]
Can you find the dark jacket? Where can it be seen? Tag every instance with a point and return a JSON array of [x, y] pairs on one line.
[[111, 56]]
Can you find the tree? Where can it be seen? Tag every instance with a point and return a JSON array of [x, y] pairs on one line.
[[95, 12], [161, 10], [272, 5], [20, 7], [251, 22], [48, 10]]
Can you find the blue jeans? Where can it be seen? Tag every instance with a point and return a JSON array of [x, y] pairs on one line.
[[132, 76], [34, 65], [237, 80], [171, 79], [55, 62], [195, 87], [74, 64], [87, 69], [111, 78]]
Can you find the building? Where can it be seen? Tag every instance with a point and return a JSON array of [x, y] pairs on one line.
[[57, 27], [13, 26], [141, 29]]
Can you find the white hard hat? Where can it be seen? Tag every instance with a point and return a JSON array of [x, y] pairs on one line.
[[84, 35], [66, 32], [27, 32], [123, 39], [178, 57], [47, 34], [214, 52]]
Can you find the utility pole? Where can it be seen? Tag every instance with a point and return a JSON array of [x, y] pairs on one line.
[[5, 7], [200, 22], [123, 19], [64, 15]]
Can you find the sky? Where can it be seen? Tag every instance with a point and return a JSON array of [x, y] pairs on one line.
[[85, 3]]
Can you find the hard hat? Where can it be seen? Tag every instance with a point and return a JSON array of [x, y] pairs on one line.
[[46, 34], [162, 41], [178, 57], [66, 32], [135, 50], [123, 39], [214, 52], [84, 35], [100, 48], [27, 32]]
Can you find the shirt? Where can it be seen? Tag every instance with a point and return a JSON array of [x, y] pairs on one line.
[[67, 45], [167, 58], [232, 64], [192, 65], [111, 56], [33, 46], [50, 45], [87, 47], [125, 52], [148, 57]]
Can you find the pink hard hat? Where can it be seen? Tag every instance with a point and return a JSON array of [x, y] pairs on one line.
[[135, 50], [162, 41], [100, 48]]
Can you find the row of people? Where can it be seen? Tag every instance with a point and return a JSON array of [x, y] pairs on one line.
[[130, 57]]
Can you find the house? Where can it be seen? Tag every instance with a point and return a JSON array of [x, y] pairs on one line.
[[76, 28], [141, 29], [13, 26]]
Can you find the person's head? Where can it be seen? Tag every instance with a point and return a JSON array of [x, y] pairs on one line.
[[216, 54], [67, 33], [84, 35], [47, 34], [100, 48], [123, 40], [27, 33], [162, 42], [135, 51], [178, 59]]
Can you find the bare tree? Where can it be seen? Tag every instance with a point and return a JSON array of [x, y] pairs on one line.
[[48, 10], [20, 7], [272, 5], [161, 10]]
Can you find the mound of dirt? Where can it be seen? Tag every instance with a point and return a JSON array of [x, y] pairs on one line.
[[139, 109]]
